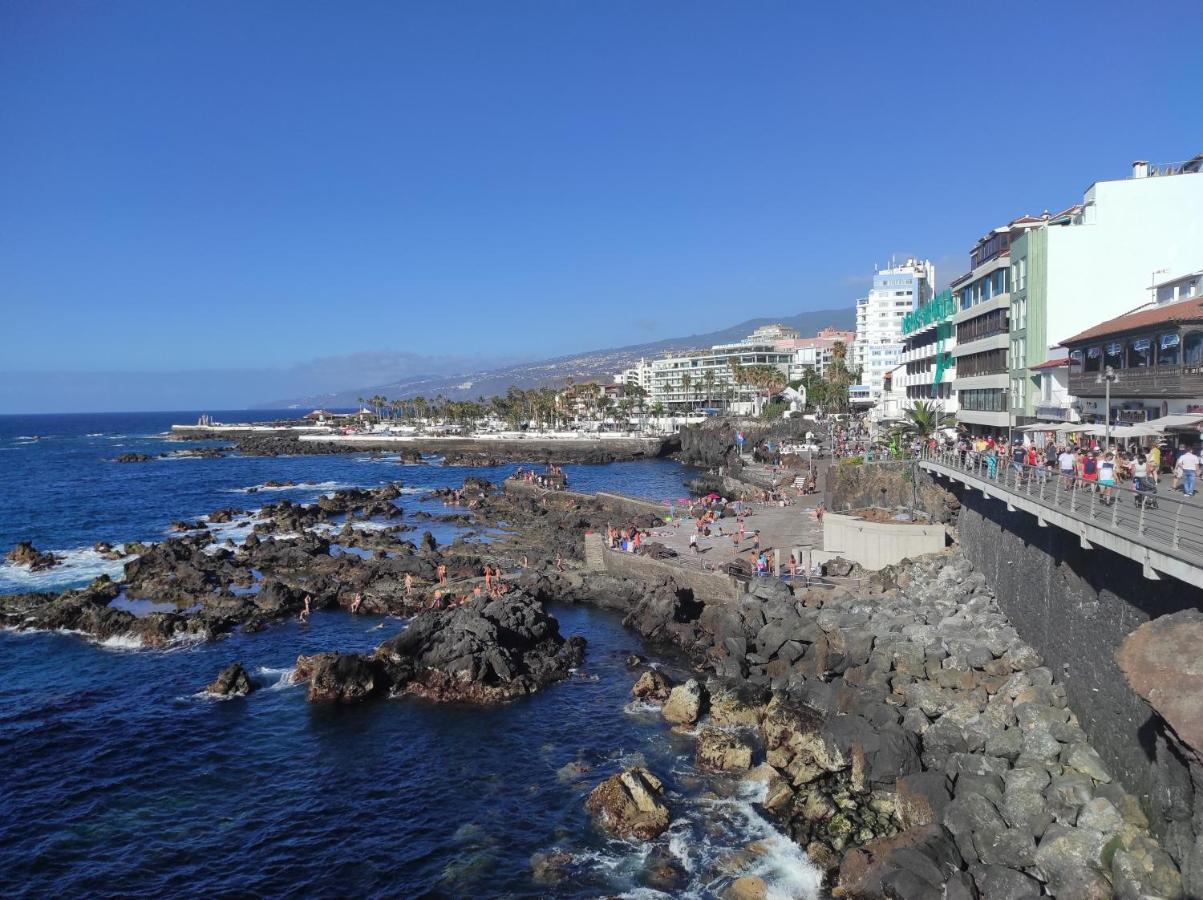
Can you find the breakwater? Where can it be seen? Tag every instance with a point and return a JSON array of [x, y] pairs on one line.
[[1078, 608]]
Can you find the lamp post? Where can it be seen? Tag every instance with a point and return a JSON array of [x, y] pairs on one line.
[[1105, 378]]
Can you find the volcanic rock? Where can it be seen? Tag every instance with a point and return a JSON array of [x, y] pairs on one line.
[[27, 555], [652, 687], [684, 704], [232, 681], [628, 804]]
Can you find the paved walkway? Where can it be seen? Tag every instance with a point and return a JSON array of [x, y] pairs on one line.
[[780, 527]]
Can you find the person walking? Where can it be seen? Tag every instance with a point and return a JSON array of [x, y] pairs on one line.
[[1189, 463], [1140, 473], [1107, 477]]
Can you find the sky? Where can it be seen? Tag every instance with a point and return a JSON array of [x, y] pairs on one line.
[[214, 200]]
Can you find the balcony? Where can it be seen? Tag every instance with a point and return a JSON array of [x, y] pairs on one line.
[[1156, 381], [1055, 412]]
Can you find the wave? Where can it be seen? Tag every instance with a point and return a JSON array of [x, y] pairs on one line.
[[283, 677], [121, 642], [76, 567], [264, 488]]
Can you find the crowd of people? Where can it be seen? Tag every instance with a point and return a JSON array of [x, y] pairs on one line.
[[553, 478], [1086, 464]]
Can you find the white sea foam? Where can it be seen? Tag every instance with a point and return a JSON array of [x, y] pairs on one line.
[[121, 642], [283, 677], [642, 708], [77, 566], [264, 488]]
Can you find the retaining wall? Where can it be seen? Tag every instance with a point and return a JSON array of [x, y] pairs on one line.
[[1076, 607], [876, 545], [710, 587]]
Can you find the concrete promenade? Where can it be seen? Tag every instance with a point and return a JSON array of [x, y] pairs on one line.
[[782, 528], [1163, 536]]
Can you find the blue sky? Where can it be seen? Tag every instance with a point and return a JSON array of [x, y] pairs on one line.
[[244, 186]]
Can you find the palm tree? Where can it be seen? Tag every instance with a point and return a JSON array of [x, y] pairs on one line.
[[708, 381], [686, 381], [925, 419], [738, 375]]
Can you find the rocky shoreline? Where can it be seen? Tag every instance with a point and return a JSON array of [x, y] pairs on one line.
[[902, 732]]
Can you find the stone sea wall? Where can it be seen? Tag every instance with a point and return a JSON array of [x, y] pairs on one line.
[[1077, 607], [856, 485]]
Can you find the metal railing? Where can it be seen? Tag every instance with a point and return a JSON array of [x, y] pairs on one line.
[[1158, 520]]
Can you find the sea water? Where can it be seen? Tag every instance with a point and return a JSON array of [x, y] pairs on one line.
[[121, 776]]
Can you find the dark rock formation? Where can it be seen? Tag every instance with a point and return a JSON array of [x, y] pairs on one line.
[[340, 677], [232, 681], [485, 651], [27, 555], [133, 457]]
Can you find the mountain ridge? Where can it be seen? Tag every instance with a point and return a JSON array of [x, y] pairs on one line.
[[581, 366]]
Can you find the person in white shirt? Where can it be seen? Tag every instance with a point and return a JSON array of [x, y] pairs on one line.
[[1066, 460], [1188, 462]]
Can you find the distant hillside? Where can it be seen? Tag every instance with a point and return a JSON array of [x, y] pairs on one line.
[[598, 364]]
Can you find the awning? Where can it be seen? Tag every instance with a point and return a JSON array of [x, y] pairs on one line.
[[1173, 423], [1139, 430]]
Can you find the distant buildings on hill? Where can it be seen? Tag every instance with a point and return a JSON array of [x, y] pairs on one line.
[[716, 378]]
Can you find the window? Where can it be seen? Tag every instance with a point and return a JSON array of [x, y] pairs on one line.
[[1140, 353], [1113, 354], [988, 325], [1192, 353], [1168, 346], [992, 362], [984, 399], [1019, 314], [1094, 359], [1075, 363]]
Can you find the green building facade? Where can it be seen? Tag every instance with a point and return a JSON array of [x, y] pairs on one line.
[[1028, 321]]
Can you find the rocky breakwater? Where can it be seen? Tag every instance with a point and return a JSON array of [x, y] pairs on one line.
[[88, 611], [907, 737], [486, 651], [294, 558]]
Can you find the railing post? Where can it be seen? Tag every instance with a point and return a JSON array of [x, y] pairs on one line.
[[1093, 497], [1114, 507], [1140, 518], [1177, 516]]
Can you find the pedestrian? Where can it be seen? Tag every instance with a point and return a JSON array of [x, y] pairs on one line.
[[693, 543], [409, 584], [1140, 472], [1107, 476], [1189, 463]]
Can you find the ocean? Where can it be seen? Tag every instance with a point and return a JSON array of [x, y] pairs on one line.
[[121, 777]]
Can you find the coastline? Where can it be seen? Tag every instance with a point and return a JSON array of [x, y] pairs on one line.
[[891, 717]]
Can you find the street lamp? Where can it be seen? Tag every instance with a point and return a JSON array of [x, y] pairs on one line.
[[1105, 378]]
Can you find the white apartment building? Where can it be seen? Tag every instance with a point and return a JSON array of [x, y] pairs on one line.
[[705, 378], [877, 350], [1127, 235], [638, 375]]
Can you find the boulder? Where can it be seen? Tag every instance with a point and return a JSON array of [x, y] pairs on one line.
[[685, 703], [1163, 662], [912, 864], [1071, 860], [628, 804], [338, 677], [27, 555], [723, 751], [922, 799], [232, 681], [652, 687]]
